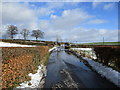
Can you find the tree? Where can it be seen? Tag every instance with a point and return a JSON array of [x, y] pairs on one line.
[[37, 34], [25, 33], [12, 30]]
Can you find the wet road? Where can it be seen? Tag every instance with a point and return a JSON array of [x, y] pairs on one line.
[[67, 71]]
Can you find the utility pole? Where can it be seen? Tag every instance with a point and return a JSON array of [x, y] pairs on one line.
[[103, 40], [57, 42]]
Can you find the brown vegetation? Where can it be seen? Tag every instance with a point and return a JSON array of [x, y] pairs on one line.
[[95, 46], [18, 62], [108, 56]]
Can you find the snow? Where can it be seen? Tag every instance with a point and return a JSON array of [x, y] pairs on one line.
[[104, 71], [4, 44], [50, 50], [36, 79], [85, 49]]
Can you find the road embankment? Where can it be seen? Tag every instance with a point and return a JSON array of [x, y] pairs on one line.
[[18, 62]]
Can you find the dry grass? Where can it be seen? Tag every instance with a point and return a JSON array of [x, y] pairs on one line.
[[18, 62]]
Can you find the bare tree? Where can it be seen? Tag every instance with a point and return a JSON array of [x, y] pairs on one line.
[[25, 33], [12, 30], [37, 34]]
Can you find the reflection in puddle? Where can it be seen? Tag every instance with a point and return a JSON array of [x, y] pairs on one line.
[[67, 81]]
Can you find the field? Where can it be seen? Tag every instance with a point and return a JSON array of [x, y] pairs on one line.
[[101, 43]]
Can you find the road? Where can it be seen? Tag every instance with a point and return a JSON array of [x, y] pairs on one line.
[[67, 71]]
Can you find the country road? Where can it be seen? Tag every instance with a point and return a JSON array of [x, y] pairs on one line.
[[67, 71]]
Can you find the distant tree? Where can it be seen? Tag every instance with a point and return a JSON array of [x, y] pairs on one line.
[[25, 33], [37, 34], [12, 30]]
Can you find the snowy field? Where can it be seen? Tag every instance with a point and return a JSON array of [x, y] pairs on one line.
[[37, 79], [104, 71], [4, 44]]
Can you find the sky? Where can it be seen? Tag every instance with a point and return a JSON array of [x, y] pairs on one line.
[[68, 21]]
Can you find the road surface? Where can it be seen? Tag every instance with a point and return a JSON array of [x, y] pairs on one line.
[[67, 71]]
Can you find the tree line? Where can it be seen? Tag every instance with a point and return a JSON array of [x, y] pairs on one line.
[[12, 30]]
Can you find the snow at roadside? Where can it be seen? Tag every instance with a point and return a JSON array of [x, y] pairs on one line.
[[4, 44], [86, 51], [37, 79], [105, 71], [54, 48]]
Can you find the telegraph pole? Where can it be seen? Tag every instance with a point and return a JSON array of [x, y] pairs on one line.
[[103, 40]]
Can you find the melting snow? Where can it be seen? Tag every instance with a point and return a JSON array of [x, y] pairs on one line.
[[105, 71], [54, 48], [85, 49], [36, 79], [109, 73]]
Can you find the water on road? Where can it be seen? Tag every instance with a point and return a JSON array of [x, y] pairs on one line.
[[67, 71]]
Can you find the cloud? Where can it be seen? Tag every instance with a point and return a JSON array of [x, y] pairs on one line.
[[53, 16], [49, 7], [102, 31], [93, 35], [52, 5], [104, 6], [60, 0], [96, 4], [61, 25], [108, 6], [44, 11], [83, 35], [69, 19], [67, 25], [16, 13], [97, 21]]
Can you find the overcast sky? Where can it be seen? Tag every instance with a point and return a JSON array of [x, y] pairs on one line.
[[75, 21]]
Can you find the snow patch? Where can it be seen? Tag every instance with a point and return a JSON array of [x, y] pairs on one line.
[[36, 79], [85, 49], [89, 52], [54, 48], [4, 44], [105, 71]]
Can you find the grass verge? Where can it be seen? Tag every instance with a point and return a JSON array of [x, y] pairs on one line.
[[18, 62]]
